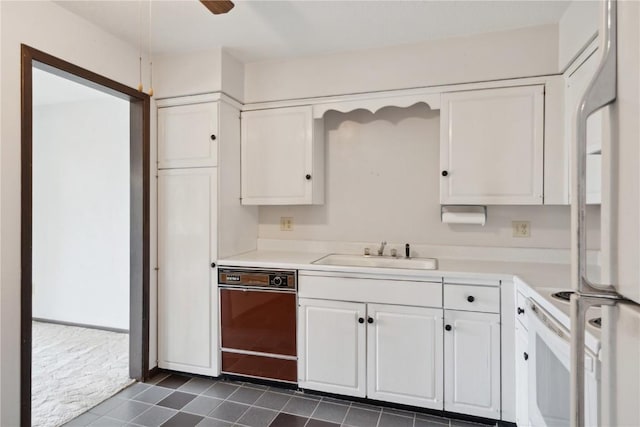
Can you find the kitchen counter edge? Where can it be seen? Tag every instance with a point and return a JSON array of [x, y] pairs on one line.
[[536, 275]]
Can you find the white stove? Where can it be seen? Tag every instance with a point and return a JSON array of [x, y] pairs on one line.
[[543, 332], [552, 300]]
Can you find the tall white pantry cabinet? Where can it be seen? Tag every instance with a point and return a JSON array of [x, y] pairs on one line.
[[200, 219]]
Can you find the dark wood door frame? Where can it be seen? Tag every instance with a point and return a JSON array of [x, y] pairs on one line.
[[139, 220]]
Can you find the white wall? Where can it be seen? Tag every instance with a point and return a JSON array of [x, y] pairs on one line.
[[382, 183], [520, 53], [578, 25], [189, 73], [193, 73], [232, 76], [81, 212], [48, 27]]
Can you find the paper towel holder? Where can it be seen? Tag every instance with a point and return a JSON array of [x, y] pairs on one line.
[[463, 214]]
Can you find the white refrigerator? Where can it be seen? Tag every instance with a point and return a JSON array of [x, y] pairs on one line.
[[616, 87]]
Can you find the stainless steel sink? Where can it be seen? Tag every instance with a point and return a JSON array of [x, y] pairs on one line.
[[378, 261]]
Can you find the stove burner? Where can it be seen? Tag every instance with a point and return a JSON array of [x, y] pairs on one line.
[[562, 295], [596, 322]]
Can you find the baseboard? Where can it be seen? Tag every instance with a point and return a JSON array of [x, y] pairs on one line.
[[417, 409], [151, 373], [80, 325]]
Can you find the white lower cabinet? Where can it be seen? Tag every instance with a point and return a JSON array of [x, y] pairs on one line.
[[187, 289], [522, 376], [404, 355], [331, 346], [472, 368], [401, 361], [444, 355]]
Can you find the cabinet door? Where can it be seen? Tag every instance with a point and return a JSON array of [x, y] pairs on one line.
[[278, 157], [491, 146], [187, 289], [522, 376], [404, 355], [188, 136], [472, 363], [331, 346]]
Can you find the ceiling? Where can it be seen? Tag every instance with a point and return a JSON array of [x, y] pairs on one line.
[[260, 30]]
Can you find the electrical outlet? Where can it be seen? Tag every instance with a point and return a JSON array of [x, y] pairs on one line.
[[521, 228], [286, 223]]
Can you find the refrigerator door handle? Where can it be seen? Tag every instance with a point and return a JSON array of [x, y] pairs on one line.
[[600, 92]]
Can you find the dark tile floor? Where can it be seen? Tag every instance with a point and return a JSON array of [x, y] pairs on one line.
[[181, 401]]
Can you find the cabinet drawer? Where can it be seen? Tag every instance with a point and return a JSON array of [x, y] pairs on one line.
[[472, 298], [399, 292]]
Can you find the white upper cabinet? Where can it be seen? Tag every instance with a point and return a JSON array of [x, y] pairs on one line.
[[491, 146], [188, 136], [282, 157]]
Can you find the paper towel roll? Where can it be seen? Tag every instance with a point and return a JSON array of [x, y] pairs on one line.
[[476, 215]]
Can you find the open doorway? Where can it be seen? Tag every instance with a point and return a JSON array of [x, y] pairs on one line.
[[85, 237], [80, 239]]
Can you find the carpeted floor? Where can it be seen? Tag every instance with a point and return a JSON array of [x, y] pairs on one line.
[[74, 369]]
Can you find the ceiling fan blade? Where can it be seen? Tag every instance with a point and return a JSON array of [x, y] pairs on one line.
[[218, 7]]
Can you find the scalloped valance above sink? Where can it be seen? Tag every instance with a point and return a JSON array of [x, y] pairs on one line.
[[373, 103], [370, 101]]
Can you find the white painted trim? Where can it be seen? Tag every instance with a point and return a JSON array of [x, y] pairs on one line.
[[592, 43], [198, 99], [399, 97], [371, 101], [581, 58]]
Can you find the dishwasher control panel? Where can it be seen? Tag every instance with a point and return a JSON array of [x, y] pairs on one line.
[[255, 277]]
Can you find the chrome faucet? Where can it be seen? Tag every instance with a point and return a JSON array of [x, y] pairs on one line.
[[381, 248]]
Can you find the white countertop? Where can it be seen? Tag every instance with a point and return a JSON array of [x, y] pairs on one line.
[[531, 278], [536, 275], [272, 259]]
